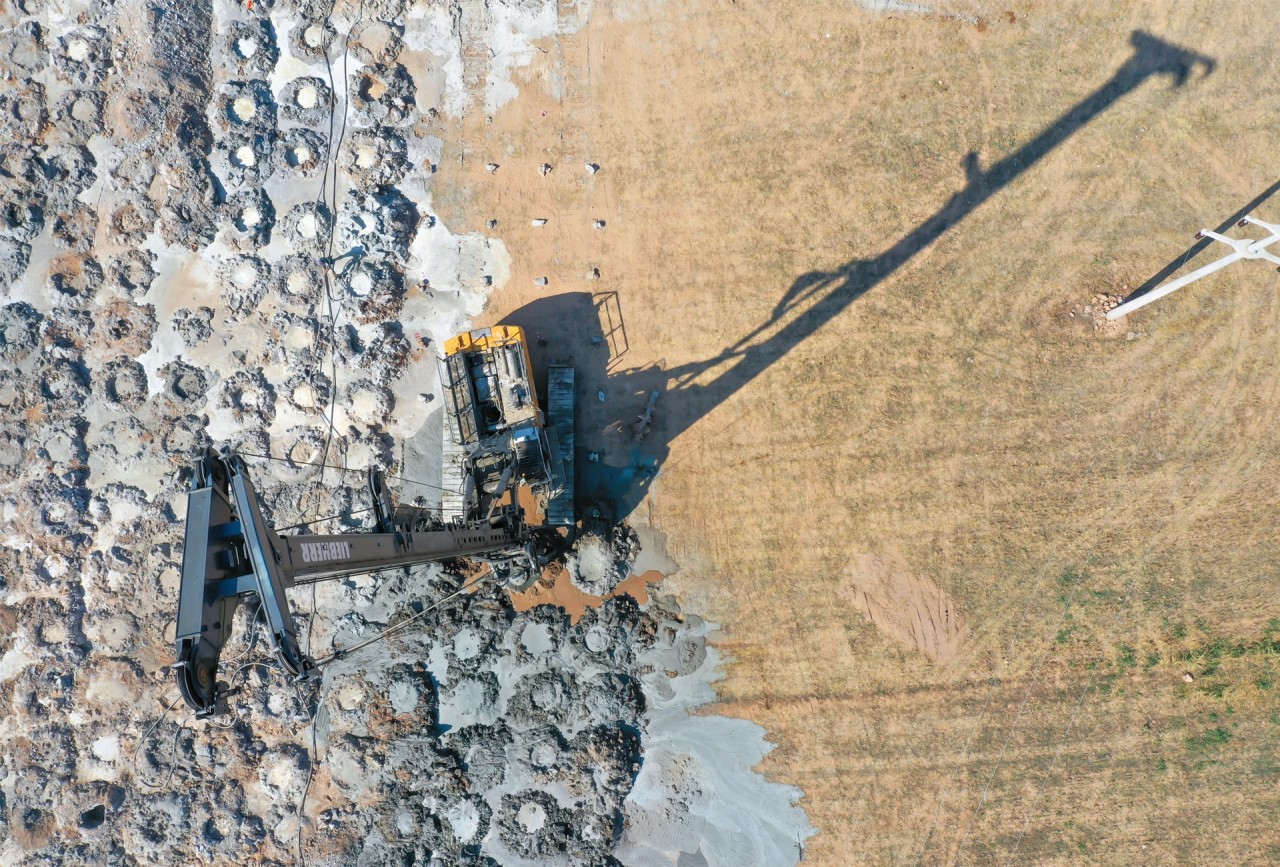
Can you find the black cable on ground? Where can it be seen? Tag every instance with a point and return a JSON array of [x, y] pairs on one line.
[[331, 163], [173, 752], [389, 631]]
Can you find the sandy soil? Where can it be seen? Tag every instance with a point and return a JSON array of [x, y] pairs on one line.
[[860, 254]]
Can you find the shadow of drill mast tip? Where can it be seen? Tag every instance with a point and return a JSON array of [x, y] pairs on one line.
[[1152, 57], [693, 390]]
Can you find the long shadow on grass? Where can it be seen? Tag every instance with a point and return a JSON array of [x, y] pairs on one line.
[[686, 394]]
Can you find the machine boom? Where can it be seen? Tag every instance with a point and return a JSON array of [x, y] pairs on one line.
[[232, 553]]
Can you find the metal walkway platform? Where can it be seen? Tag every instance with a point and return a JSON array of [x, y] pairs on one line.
[[451, 473], [560, 404]]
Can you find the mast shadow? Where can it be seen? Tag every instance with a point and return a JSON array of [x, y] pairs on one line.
[[615, 467]]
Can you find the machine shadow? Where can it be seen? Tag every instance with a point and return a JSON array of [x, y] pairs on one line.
[[614, 467]]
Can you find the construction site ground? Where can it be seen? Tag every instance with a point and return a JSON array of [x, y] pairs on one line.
[[997, 577]]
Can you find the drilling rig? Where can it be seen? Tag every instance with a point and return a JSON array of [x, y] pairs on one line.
[[502, 444]]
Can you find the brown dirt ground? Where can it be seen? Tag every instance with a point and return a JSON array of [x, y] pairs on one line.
[[1099, 509], [909, 608]]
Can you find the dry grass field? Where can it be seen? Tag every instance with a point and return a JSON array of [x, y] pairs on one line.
[[923, 383]]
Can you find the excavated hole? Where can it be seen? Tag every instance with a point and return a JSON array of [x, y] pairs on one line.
[[378, 41], [314, 36], [246, 47], [78, 50], [596, 640], [299, 337], [244, 274], [307, 97], [60, 447], [531, 817], [244, 157], [305, 452], [301, 157], [307, 227], [298, 283], [187, 387], [366, 405], [361, 284], [466, 644], [93, 817], [244, 109], [128, 389], [363, 453], [546, 697], [543, 755], [405, 824], [537, 639], [372, 88], [366, 157], [350, 696], [304, 395], [84, 111], [250, 217], [11, 452]]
